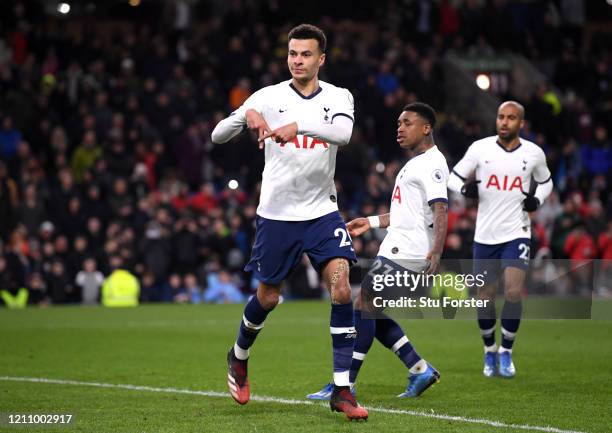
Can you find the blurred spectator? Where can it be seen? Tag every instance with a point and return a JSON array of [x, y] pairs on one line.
[[194, 291], [37, 290], [9, 139], [89, 280], [597, 156], [85, 155], [580, 245], [303, 283], [221, 289], [563, 225], [152, 290], [178, 290], [32, 212], [60, 287], [121, 288], [9, 200]]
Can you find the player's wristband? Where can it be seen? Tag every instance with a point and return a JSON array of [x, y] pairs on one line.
[[374, 221]]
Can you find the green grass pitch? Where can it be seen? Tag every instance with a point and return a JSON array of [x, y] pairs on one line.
[[564, 378]]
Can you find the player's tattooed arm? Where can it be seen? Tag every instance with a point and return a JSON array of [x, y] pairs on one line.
[[440, 222], [385, 220]]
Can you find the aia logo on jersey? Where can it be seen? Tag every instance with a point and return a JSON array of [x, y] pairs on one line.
[[305, 143], [504, 183], [397, 195]]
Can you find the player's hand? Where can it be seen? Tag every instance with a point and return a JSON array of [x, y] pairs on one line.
[[358, 226], [434, 263], [255, 121], [470, 189], [531, 202], [283, 134]]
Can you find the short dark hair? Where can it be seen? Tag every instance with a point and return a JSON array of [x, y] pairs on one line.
[[423, 110], [308, 31]]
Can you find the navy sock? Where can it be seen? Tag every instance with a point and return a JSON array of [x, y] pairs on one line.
[[343, 334], [252, 322], [510, 321], [365, 328], [486, 323], [390, 334]]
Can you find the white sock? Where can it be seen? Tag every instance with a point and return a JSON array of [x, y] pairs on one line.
[[492, 348], [503, 349], [240, 353], [419, 367], [341, 378]]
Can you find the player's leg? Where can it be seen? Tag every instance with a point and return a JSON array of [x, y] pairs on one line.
[[253, 318], [255, 313], [342, 326], [365, 328], [365, 325], [421, 374], [330, 249], [342, 329], [276, 250], [515, 261], [487, 264], [514, 279]]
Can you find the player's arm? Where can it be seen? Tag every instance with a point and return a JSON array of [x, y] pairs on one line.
[[337, 132], [544, 185], [458, 179], [440, 224], [435, 185], [359, 226], [247, 116]]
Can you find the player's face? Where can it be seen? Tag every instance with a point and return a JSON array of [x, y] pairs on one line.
[[411, 130], [509, 121], [304, 59]]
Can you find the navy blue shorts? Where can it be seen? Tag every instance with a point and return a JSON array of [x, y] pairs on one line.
[[279, 245], [489, 260]]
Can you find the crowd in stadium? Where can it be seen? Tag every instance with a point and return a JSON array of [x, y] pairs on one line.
[[106, 159]]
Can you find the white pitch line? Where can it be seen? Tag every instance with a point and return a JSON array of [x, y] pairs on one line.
[[262, 398]]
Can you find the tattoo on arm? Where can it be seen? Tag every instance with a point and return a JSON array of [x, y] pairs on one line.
[[385, 220], [440, 211]]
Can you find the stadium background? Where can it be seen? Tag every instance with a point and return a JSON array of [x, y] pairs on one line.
[[107, 112]]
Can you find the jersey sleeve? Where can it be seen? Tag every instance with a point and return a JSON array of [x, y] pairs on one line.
[[541, 173], [435, 179], [340, 129], [345, 106], [235, 123], [464, 168], [255, 102]]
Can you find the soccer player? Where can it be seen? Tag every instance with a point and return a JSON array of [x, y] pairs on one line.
[[504, 166], [301, 122], [416, 232]]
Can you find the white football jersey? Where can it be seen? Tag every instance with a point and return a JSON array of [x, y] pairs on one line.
[[298, 177], [503, 176], [420, 183]]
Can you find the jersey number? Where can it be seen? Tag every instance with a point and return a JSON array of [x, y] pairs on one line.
[[377, 265], [346, 238], [525, 252]]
